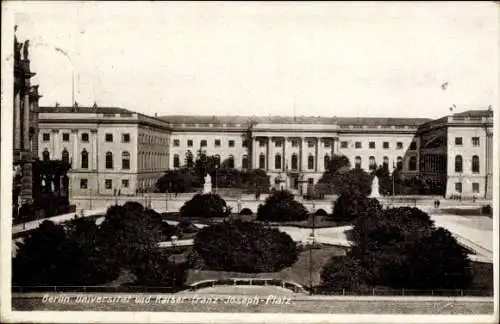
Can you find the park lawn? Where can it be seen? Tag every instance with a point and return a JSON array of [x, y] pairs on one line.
[[298, 272]]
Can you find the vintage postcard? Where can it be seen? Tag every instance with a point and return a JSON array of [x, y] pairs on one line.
[[250, 162]]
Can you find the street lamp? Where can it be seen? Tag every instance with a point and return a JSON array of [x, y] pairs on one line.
[[311, 243], [393, 184], [173, 239]]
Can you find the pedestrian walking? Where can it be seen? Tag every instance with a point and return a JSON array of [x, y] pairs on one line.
[[438, 203]]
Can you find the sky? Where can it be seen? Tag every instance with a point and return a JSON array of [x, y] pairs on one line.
[[226, 58]]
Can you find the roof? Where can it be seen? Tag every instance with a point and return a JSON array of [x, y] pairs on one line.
[[190, 119], [475, 113], [87, 110]]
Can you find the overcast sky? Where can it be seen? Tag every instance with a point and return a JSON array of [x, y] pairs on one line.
[[364, 59]]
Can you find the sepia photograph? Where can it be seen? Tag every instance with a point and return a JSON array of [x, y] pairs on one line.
[[249, 162]]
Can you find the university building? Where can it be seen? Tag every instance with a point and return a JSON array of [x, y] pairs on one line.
[[114, 150]]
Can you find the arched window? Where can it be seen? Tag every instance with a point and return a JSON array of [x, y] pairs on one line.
[[295, 162], [262, 161], [310, 162], [277, 162], [46, 155], [357, 162], [458, 163], [475, 164], [399, 163], [230, 162], [372, 163], [412, 164], [244, 162], [326, 161], [85, 159], [109, 160], [177, 162], [65, 156], [125, 160]]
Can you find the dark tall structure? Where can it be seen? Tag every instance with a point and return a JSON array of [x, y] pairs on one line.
[[25, 137]]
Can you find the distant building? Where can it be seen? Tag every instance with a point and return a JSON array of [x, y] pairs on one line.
[[111, 150], [293, 151]]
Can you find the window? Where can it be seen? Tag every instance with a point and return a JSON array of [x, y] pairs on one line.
[[65, 156], [217, 142], [277, 143], [85, 137], [126, 138], [413, 146], [244, 162], [124, 183], [125, 160], [326, 161], [109, 137], [475, 164], [177, 162], [385, 145], [310, 162], [46, 155], [262, 161], [458, 141], [176, 142], [371, 145], [295, 162], [262, 143], [46, 137], [108, 184], [399, 145], [343, 144], [458, 187], [458, 163], [85, 159], [372, 164], [203, 143], [475, 187], [357, 162], [475, 141], [327, 144], [65, 137], [399, 163], [412, 164], [310, 143], [295, 143], [277, 162], [84, 183], [357, 145], [190, 143], [109, 160], [244, 143], [231, 143]]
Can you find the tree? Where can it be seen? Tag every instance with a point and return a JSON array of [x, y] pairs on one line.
[[256, 180], [204, 164], [189, 160], [342, 272], [176, 181], [205, 205], [384, 179], [348, 207], [154, 269], [338, 165], [245, 247], [281, 206]]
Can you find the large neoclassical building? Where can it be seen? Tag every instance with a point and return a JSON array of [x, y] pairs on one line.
[[114, 149]]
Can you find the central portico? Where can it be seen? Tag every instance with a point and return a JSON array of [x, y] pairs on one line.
[[292, 160]]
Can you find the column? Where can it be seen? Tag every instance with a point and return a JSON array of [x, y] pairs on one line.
[[55, 145], [317, 154], [76, 154], [26, 122], [255, 163], [335, 146], [17, 122], [283, 156], [94, 141], [303, 154], [268, 154]]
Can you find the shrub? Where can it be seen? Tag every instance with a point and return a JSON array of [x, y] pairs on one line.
[[281, 206], [246, 211], [487, 210], [348, 207], [205, 205], [321, 212], [187, 227], [342, 272], [245, 247], [156, 270]]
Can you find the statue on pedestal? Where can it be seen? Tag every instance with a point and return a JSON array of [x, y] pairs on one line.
[[207, 187], [375, 188]]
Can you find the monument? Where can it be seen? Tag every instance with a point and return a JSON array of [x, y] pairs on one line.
[[207, 187], [375, 190]]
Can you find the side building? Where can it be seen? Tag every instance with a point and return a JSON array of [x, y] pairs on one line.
[[111, 150]]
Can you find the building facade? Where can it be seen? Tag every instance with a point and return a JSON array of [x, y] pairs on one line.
[[293, 151], [111, 150]]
